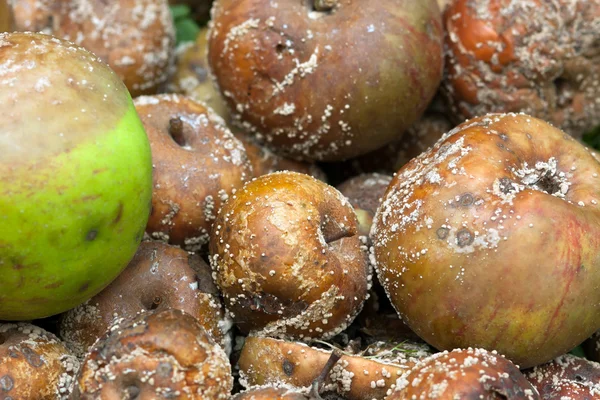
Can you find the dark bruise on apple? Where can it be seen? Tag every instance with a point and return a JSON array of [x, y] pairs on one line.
[[34, 364], [464, 374], [158, 354], [538, 57], [491, 239], [287, 258], [326, 80], [197, 165], [159, 277]]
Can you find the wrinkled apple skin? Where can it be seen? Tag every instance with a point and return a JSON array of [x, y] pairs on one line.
[[75, 176], [476, 250], [326, 85]]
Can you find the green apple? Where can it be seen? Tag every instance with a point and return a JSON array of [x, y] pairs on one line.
[[75, 176]]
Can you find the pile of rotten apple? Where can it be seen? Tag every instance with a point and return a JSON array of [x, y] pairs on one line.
[[457, 256]]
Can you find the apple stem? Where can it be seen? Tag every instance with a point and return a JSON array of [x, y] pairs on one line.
[[325, 5], [319, 380], [176, 130]]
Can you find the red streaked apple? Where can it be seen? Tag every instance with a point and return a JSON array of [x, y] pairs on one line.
[[491, 239]]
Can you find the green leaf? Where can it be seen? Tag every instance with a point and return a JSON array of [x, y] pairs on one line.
[[592, 138], [578, 352], [180, 11], [187, 30]]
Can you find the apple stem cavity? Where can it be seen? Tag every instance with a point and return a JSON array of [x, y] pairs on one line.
[[317, 384], [176, 131], [324, 5]]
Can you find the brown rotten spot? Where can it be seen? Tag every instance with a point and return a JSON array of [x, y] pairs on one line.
[[490, 239], [287, 257], [326, 80], [538, 57]]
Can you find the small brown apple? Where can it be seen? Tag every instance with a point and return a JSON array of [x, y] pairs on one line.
[[363, 376], [197, 165], [364, 193], [34, 364], [490, 239], [287, 258], [326, 80], [160, 353], [464, 374], [159, 277]]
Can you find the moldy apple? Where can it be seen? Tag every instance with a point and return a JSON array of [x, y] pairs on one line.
[[326, 80]]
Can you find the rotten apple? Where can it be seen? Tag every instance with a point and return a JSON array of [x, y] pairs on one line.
[[135, 37], [538, 57], [158, 354], [326, 80], [490, 239], [464, 374], [286, 255]]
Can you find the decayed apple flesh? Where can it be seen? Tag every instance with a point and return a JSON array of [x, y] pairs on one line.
[[491, 239]]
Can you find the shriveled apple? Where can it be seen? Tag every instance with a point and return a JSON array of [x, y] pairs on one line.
[[287, 257], [159, 277], [159, 353], [355, 376], [490, 239], [326, 80]]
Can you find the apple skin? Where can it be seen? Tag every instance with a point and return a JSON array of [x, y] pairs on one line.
[[6, 23], [474, 252], [75, 176], [330, 85]]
